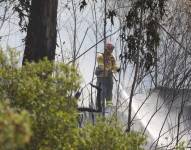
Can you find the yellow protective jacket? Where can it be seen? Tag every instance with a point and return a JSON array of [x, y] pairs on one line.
[[106, 64]]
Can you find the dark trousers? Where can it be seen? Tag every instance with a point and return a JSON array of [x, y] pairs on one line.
[[106, 85]]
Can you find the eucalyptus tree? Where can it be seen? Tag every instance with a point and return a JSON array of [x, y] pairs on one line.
[[38, 19], [140, 34], [41, 31]]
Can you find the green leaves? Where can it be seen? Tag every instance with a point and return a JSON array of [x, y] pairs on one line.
[[45, 90], [109, 136], [15, 129], [42, 112]]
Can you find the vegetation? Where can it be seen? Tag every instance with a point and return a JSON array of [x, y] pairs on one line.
[[42, 96], [109, 136], [15, 128], [38, 108]]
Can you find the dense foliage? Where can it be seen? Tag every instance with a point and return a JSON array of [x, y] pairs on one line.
[[45, 90], [15, 129], [109, 136], [45, 114]]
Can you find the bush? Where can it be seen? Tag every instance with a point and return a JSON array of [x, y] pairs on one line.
[[15, 129], [181, 146], [46, 91], [109, 136]]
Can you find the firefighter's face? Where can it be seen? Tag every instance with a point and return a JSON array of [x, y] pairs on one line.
[[109, 50]]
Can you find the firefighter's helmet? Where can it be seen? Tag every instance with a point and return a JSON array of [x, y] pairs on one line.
[[109, 46]]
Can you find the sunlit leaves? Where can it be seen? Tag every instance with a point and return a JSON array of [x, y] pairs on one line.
[[107, 135], [15, 129], [46, 90], [42, 96]]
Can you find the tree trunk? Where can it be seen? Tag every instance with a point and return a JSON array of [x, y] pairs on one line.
[[41, 32]]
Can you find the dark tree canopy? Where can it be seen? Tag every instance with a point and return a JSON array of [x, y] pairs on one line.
[[142, 22]]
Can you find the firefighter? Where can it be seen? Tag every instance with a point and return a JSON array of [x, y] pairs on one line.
[[106, 66]]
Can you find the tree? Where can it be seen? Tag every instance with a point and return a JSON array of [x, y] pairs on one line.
[[41, 31], [140, 34]]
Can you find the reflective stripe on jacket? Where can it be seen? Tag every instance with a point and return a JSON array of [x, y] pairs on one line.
[[106, 63]]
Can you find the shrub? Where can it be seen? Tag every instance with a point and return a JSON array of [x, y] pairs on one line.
[[46, 91], [109, 136], [15, 129]]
